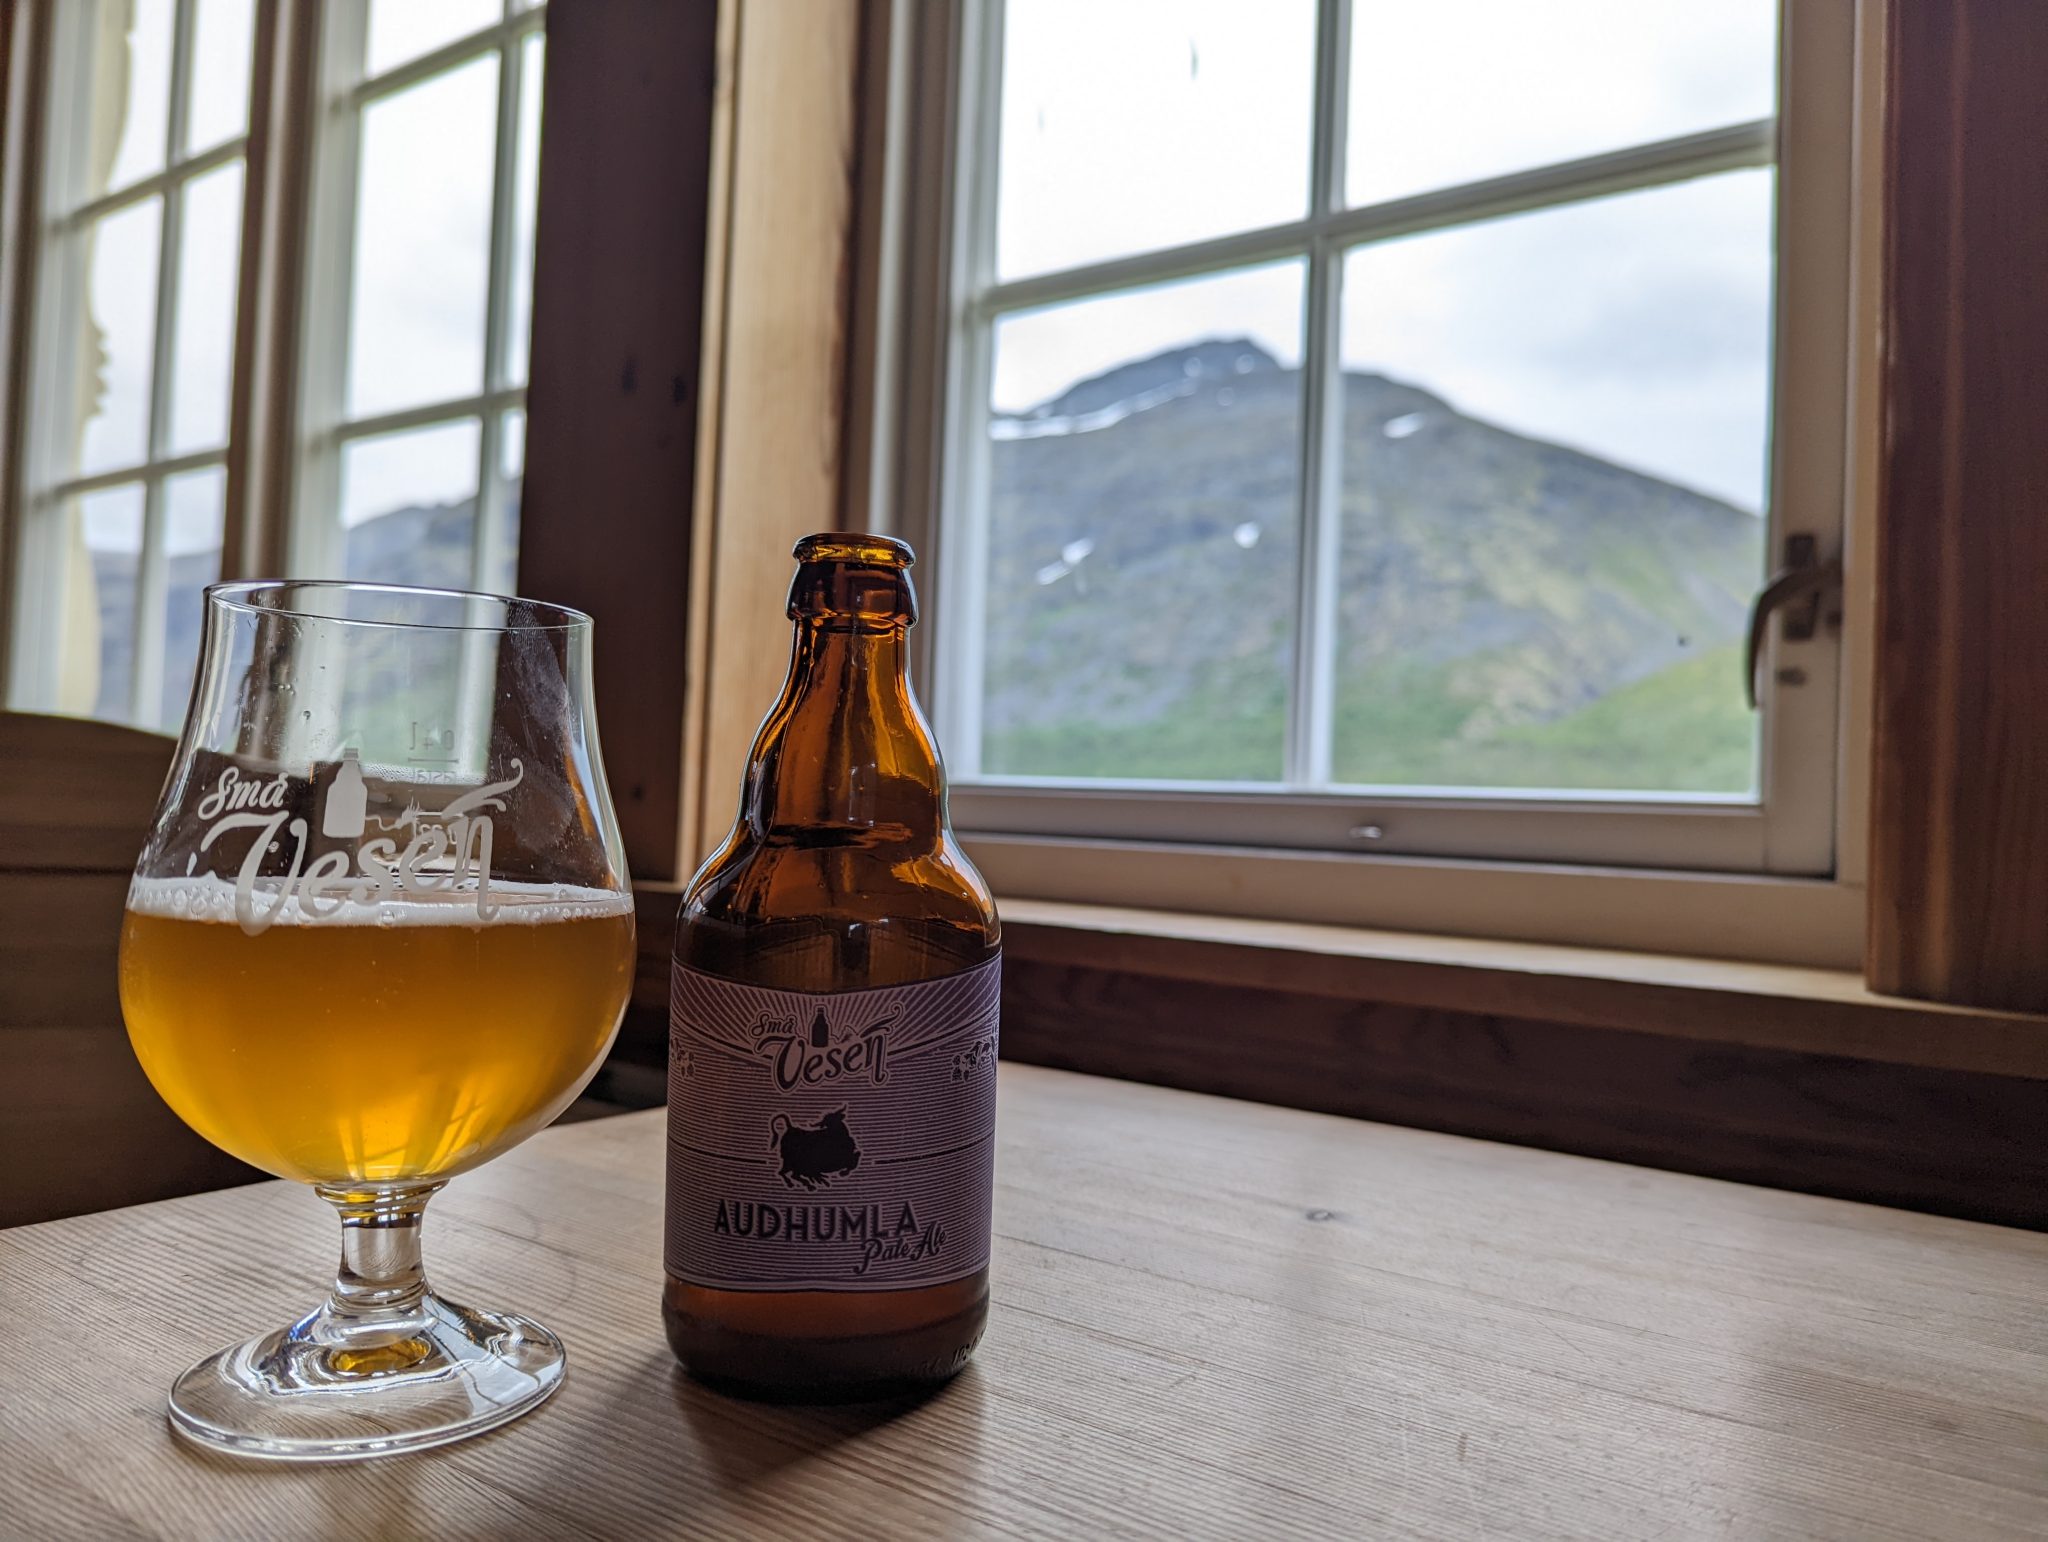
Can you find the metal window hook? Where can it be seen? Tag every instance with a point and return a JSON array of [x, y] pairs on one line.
[[1796, 589]]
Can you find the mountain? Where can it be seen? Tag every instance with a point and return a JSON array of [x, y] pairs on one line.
[[426, 545], [1509, 611]]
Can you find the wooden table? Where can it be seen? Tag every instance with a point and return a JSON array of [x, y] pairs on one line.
[[1212, 1319]]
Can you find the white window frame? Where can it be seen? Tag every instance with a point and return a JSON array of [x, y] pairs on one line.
[[315, 537], [1775, 878], [45, 486]]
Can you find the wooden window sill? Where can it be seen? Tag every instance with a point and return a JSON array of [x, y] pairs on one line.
[[1763, 1006]]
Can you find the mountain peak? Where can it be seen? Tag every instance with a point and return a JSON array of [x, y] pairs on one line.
[[1217, 360]]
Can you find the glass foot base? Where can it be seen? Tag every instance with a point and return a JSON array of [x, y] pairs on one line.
[[332, 1389]]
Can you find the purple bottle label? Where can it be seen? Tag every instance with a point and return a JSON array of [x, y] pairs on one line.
[[831, 1142]]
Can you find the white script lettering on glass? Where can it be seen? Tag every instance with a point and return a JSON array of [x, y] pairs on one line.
[[443, 850]]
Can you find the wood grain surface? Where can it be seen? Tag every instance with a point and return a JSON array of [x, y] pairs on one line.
[[775, 441], [1212, 1319], [1959, 792]]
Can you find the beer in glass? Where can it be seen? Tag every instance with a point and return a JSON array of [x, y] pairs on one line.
[[381, 931]]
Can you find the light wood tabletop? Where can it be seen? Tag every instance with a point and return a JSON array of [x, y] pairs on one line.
[[1211, 1319]]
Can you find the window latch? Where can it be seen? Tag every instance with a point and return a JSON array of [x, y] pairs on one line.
[[1795, 591]]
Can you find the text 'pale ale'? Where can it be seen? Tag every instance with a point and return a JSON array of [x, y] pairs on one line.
[[832, 1053]]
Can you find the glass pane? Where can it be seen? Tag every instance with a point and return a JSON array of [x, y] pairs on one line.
[[501, 573], [193, 522], [97, 668], [222, 34], [202, 354], [405, 29], [525, 196], [130, 108], [422, 248], [1147, 123], [1555, 432], [1458, 90], [408, 506], [117, 338], [1142, 532]]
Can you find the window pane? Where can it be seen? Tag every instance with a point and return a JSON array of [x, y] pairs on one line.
[[131, 95], [422, 246], [202, 353], [405, 29], [116, 338], [1555, 433], [193, 510], [222, 34], [501, 573], [526, 189], [1147, 123], [408, 506], [97, 668], [1457, 90], [1142, 532]]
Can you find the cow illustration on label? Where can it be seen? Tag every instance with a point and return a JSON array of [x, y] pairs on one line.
[[812, 1154]]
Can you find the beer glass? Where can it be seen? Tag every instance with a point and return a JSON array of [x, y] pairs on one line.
[[381, 931]]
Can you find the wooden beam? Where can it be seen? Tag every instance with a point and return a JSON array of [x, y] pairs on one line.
[[1959, 826], [780, 394], [612, 407]]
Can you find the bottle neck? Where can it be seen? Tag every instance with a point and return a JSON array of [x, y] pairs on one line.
[[845, 757]]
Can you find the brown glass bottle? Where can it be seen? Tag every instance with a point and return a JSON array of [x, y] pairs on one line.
[[842, 892]]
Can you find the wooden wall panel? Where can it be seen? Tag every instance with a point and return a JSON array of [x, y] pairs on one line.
[[1959, 825], [80, 1126], [612, 408]]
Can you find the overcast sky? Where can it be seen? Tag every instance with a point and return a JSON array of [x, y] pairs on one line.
[[1633, 327]]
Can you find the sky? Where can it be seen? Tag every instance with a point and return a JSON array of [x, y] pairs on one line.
[[1633, 327]]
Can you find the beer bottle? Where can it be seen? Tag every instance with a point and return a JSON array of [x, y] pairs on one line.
[[833, 1032]]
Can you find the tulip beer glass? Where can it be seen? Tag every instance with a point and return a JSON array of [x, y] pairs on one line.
[[381, 932]]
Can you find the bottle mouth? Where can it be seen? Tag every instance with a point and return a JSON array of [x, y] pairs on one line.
[[855, 547], [846, 580]]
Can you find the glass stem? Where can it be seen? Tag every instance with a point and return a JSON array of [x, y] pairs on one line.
[[381, 1284]]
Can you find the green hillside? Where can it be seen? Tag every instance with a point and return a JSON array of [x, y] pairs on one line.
[[1511, 612]]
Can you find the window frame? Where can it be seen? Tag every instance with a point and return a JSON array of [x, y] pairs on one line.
[[1130, 844], [1788, 830]]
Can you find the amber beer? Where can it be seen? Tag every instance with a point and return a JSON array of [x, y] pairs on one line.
[[409, 1040], [833, 1039]]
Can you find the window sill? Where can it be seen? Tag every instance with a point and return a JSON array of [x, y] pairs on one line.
[[1762, 1006], [1765, 1006]]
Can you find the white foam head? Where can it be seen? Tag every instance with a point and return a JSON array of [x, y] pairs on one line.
[[206, 897]]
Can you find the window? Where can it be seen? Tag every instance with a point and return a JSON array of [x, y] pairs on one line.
[[415, 367], [1368, 425], [123, 507], [412, 308]]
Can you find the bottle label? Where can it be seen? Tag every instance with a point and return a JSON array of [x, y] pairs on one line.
[[843, 1141]]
